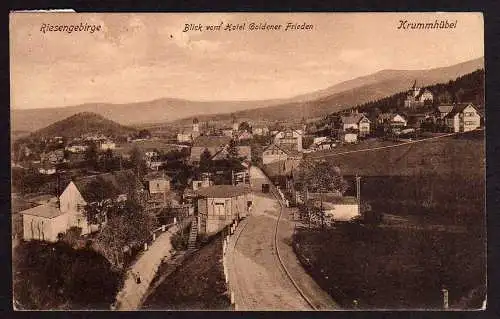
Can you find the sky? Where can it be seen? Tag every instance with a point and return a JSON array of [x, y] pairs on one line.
[[141, 57]]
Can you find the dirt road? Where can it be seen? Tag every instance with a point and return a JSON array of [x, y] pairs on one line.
[[256, 275]]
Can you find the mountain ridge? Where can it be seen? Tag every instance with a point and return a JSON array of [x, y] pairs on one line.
[[173, 109]]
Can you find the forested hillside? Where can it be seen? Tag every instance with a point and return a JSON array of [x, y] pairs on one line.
[[467, 88]]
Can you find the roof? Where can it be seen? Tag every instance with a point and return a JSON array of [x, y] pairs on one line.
[[223, 191], [458, 108], [353, 118], [121, 181], [445, 108], [288, 151], [156, 175], [211, 141], [298, 131], [245, 151], [169, 196], [44, 211], [388, 116]]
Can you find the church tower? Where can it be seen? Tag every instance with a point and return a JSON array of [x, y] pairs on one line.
[[196, 125], [415, 90]]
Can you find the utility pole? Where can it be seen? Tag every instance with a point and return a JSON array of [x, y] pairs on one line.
[[358, 192], [445, 298], [164, 190]]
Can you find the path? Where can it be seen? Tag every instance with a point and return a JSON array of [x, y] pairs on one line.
[[132, 294], [255, 274]]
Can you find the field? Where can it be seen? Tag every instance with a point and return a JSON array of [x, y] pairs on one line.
[[439, 181], [463, 154], [436, 182], [383, 268]]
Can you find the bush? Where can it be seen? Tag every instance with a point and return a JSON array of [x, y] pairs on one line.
[[55, 276], [180, 239], [72, 235]]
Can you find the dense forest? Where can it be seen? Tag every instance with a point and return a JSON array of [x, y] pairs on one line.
[[467, 88]]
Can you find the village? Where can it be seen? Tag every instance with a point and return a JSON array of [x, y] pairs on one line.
[[76, 189]]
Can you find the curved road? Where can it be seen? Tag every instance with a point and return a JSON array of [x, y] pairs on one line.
[[256, 276]]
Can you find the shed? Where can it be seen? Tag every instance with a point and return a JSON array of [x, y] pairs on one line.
[[220, 205]]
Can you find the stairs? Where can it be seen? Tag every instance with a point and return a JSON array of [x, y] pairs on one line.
[[193, 234]]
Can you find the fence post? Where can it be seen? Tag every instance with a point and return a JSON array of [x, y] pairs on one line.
[[163, 228], [175, 220], [232, 297], [145, 246], [154, 236]]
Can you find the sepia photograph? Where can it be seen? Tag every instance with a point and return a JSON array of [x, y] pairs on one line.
[[248, 161]]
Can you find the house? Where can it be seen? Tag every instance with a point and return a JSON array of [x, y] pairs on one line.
[[416, 97], [204, 180], [47, 168], [154, 163], [220, 205], [356, 121], [107, 145], [335, 206], [158, 182], [349, 137], [227, 131], [244, 152], [463, 118], [76, 148], [53, 157], [289, 139], [187, 136], [44, 222], [391, 121], [151, 154], [425, 95], [443, 110], [260, 130], [275, 153], [79, 192], [244, 135], [415, 120], [213, 144]]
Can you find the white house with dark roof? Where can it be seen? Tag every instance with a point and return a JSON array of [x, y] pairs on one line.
[[44, 222], [289, 139], [463, 118], [79, 192], [275, 153], [213, 144], [356, 121]]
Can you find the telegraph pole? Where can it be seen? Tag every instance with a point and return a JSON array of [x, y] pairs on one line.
[[358, 192]]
